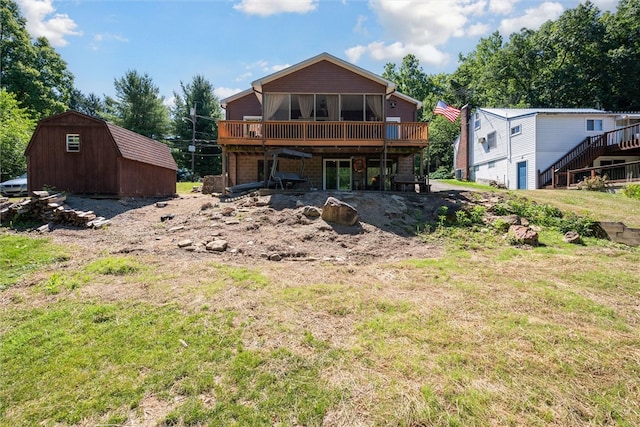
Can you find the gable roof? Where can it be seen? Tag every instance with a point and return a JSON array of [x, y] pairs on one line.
[[256, 85], [510, 113], [130, 145]]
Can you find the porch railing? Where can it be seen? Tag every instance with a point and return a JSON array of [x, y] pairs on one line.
[[298, 130], [587, 151], [616, 173]]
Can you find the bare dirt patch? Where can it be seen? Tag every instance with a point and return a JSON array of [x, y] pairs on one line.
[[260, 228]]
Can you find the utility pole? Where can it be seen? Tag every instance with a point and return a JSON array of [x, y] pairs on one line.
[[192, 147]]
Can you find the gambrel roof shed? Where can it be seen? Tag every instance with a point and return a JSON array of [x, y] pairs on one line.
[[80, 154]]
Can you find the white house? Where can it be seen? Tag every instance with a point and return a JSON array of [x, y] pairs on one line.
[[510, 146]]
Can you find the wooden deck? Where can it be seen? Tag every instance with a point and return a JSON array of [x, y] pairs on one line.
[[321, 133], [615, 141]]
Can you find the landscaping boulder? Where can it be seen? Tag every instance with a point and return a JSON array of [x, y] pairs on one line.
[[520, 234], [311, 212], [572, 237], [339, 212]]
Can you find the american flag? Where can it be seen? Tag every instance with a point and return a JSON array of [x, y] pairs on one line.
[[451, 113]]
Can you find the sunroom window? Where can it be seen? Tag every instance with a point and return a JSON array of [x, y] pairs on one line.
[[321, 107]]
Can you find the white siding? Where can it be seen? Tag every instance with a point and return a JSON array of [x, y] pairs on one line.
[[559, 134], [491, 171], [508, 152], [480, 152]]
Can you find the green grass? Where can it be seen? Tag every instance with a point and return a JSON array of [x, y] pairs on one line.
[[186, 187], [484, 334], [467, 184], [21, 255]]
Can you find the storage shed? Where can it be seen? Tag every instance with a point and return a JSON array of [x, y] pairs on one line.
[[81, 154]]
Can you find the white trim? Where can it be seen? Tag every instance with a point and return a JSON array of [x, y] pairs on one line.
[[73, 142]]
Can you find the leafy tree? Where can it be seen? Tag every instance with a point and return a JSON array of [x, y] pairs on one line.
[[34, 72], [138, 106], [16, 128], [409, 78], [622, 37], [15, 44], [478, 80], [197, 96]]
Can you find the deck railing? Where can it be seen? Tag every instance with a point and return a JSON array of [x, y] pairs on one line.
[[297, 130], [587, 151], [616, 173]]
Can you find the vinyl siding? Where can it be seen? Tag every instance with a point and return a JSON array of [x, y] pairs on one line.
[[559, 134]]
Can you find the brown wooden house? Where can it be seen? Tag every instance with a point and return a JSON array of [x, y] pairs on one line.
[[80, 154], [359, 131]]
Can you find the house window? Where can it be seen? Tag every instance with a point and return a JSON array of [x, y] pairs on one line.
[[516, 130], [476, 121], [492, 165], [73, 142], [492, 140], [594, 124]]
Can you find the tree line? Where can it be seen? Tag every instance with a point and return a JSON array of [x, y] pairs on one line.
[[585, 58], [35, 83]]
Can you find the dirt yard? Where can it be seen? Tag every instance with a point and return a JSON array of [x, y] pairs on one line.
[[261, 228]]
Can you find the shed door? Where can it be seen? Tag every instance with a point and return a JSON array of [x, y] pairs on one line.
[[522, 175]]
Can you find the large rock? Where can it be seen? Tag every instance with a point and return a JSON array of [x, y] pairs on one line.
[[572, 237], [339, 212], [523, 235]]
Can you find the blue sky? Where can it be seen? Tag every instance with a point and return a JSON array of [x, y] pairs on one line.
[[233, 42]]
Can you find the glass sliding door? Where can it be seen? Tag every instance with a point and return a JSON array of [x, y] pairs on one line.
[[337, 174]]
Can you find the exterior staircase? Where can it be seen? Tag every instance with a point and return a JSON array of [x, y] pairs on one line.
[[583, 154]]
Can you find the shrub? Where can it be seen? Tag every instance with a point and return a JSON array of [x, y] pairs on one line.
[[596, 183], [442, 173], [632, 191]]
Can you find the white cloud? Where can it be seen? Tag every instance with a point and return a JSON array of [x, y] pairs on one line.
[[360, 27], [424, 22], [278, 67], [355, 53], [380, 51], [421, 27], [275, 7], [533, 18], [225, 92], [243, 77], [98, 39], [501, 7], [39, 24], [477, 30]]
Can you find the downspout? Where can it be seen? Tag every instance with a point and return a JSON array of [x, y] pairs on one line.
[[383, 175], [509, 150], [263, 137]]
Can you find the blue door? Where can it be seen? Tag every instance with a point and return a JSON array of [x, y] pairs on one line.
[[522, 175]]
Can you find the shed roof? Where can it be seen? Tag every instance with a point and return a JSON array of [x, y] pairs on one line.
[[134, 146], [130, 145]]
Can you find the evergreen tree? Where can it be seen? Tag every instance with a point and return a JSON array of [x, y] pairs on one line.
[[139, 107], [197, 97]]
